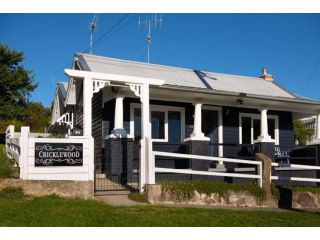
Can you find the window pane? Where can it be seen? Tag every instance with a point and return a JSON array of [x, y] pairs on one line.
[[256, 128], [174, 121], [157, 124], [246, 130], [271, 127], [137, 123]]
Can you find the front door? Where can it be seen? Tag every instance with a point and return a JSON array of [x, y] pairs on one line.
[[210, 129]]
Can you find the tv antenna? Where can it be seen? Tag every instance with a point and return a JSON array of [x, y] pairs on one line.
[[150, 23], [92, 28]]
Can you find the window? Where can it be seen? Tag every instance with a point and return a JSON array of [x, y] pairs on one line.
[[174, 121], [249, 128], [157, 124], [167, 123]]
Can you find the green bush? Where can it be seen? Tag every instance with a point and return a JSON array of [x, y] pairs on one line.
[[138, 197], [184, 190], [6, 169], [305, 189], [12, 193]]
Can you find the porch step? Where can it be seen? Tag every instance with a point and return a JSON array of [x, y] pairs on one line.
[[104, 193], [101, 175]]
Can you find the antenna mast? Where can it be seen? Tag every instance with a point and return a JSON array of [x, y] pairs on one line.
[[92, 28], [150, 23]]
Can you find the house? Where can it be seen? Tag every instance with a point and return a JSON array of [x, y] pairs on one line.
[[131, 107]]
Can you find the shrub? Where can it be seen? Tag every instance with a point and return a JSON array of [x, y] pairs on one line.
[[138, 197], [12, 193], [6, 169]]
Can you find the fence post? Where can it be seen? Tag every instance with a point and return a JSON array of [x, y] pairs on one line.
[[266, 172], [23, 158], [91, 172]]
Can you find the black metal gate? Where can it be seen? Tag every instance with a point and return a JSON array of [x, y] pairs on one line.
[[126, 178]]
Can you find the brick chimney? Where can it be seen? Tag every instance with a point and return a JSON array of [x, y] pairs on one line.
[[265, 75]]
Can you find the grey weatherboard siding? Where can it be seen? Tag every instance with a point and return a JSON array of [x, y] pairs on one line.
[[230, 134]]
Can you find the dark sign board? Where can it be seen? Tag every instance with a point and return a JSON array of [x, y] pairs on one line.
[[58, 154]]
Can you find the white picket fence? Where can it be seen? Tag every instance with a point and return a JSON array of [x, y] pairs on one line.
[[257, 176]]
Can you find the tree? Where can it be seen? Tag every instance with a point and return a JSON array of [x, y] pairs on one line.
[[16, 85], [301, 132]]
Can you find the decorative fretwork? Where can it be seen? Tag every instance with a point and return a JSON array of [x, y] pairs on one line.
[[98, 85], [136, 88]]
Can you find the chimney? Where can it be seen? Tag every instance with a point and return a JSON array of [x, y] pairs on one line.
[[265, 75]]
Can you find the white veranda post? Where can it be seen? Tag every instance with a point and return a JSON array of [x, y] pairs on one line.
[[147, 174], [318, 128], [118, 118], [264, 136], [87, 120]]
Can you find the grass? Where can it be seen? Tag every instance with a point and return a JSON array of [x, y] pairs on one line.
[[18, 210], [305, 189], [6, 166]]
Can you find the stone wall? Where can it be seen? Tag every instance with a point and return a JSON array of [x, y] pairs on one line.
[[298, 199], [232, 199], [305, 200], [68, 189]]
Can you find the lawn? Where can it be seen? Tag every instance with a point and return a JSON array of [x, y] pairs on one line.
[[19, 210], [16, 209]]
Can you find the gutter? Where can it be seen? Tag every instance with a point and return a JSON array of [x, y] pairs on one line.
[[242, 95]]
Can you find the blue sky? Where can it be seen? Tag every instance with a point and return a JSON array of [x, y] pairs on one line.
[[287, 44]]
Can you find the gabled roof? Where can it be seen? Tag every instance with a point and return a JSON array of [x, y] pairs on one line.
[[187, 78], [62, 87]]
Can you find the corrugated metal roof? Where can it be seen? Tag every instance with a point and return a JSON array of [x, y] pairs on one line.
[[63, 86], [181, 77]]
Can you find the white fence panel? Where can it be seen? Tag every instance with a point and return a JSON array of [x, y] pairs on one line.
[[22, 149], [295, 167], [207, 173]]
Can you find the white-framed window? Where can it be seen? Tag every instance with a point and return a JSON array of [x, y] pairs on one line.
[[249, 128], [167, 123]]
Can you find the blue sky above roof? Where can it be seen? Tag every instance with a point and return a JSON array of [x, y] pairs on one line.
[[241, 44]]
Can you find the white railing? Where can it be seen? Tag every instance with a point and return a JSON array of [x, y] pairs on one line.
[[257, 176], [295, 167], [66, 118], [13, 148]]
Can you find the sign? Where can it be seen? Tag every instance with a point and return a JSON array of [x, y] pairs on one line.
[[58, 154]]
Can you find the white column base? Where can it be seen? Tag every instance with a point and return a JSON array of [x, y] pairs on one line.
[[264, 139], [197, 137]]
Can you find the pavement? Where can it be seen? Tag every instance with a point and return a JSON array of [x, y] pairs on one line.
[[117, 200]]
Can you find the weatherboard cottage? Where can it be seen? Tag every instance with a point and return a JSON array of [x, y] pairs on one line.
[[133, 110]]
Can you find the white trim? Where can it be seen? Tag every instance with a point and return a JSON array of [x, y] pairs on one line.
[[160, 108], [220, 126], [112, 77], [257, 116]]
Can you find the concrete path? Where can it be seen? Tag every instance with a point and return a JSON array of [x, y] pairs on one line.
[[118, 200]]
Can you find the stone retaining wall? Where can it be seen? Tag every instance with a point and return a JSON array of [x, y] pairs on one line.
[[305, 200], [233, 199], [68, 189], [298, 199]]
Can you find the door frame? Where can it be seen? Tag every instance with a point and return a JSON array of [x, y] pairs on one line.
[[220, 126]]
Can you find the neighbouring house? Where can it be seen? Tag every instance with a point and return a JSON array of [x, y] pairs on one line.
[[131, 108]]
